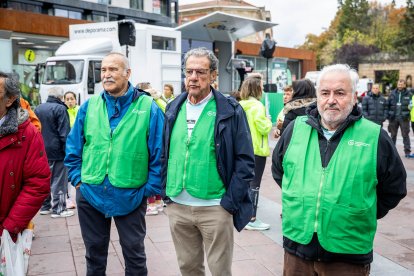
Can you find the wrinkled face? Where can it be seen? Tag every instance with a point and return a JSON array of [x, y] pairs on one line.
[[198, 77], [401, 84], [5, 102], [114, 75], [287, 96], [70, 100], [375, 89], [167, 92], [335, 99]]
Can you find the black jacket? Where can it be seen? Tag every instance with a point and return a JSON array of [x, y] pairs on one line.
[[54, 118], [234, 153], [403, 97], [375, 108], [391, 187]]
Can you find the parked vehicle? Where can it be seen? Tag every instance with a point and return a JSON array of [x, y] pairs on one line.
[[154, 53]]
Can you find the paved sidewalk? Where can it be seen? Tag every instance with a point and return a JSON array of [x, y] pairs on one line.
[[58, 247]]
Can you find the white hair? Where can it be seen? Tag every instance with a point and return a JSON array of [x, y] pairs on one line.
[[340, 68], [56, 92]]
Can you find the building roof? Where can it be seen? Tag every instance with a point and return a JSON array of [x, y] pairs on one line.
[[213, 3]]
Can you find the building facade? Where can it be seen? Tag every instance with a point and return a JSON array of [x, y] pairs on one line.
[[287, 64]]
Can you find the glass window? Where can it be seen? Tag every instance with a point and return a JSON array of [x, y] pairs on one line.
[[136, 4], [24, 6], [75, 15], [63, 72], [163, 43], [61, 13]]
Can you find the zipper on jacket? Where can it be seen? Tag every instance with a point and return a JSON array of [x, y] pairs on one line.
[[318, 202], [262, 140], [185, 162]]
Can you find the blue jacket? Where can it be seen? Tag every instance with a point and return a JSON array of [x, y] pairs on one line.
[[107, 199], [55, 127], [234, 153]]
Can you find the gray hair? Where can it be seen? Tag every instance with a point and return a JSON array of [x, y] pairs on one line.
[[340, 68], [203, 52], [125, 60], [56, 92], [11, 85]]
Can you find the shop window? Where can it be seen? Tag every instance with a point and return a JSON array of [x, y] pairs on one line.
[[67, 13]]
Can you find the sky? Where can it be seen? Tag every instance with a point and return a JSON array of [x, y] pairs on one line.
[[297, 18]]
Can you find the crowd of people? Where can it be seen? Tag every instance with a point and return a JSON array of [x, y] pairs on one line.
[[133, 151]]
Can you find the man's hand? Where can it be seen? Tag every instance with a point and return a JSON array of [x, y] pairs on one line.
[[78, 185]]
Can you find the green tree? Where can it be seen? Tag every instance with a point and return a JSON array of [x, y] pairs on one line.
[[404, 42], [354, 16]]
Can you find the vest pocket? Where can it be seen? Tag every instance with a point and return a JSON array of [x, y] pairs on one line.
[[293, 222], [207, 180], [350, 230]]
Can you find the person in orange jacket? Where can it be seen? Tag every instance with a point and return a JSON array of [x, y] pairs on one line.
[[32, 116]]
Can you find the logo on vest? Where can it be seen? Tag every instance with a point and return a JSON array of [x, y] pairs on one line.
[[357, 144], [138, 112], [211, 113]]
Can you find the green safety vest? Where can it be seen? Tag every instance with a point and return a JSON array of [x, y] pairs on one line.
[[337, 202], [122, 156], [192, 162]]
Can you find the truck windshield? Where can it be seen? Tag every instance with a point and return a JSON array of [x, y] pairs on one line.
[[63, 72]]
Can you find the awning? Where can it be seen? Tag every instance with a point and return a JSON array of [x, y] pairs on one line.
[[220, 26]]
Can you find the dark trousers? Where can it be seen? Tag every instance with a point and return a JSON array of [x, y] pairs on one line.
[[405, 130], [58, 188], [295, 266], [95, 229], [259, 166]]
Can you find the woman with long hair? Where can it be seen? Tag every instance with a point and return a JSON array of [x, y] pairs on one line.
[[260, 125]]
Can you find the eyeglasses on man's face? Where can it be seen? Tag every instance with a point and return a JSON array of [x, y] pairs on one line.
[[199, 72]]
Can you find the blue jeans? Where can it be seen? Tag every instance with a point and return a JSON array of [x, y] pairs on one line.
[[96, 228]]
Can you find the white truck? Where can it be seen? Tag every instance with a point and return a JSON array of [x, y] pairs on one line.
[[154, 53]]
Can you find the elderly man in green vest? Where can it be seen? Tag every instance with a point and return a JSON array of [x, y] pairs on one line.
[[113, 156], [208, 165], [339, 173]]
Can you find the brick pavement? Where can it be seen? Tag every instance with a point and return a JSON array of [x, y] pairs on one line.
[[58, 247]]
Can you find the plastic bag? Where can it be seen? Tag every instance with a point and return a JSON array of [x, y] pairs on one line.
[[26, 241], [11, 256]]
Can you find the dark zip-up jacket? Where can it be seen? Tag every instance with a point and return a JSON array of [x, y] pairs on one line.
[[234, 153], [391, 187], [54, 118], [403, 97], [375, 108]]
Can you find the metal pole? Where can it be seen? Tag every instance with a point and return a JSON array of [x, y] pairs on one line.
[[107, 10], [267, 74]]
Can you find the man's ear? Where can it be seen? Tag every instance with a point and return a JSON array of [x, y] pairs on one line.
[[10, 101]]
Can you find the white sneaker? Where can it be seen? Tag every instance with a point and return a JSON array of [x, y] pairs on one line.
[[45, 212], [152, 210], [257, 225], [64, 214]]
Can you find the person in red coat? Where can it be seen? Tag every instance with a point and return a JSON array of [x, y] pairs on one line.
[[24, 170]]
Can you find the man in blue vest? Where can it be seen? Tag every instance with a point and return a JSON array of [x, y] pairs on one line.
[[208, 163], [339, 173], [113, 156]]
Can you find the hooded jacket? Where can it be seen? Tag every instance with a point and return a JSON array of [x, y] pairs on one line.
[[391, 187], [259, 125], [55, 127], [235, 159], [25, 174]]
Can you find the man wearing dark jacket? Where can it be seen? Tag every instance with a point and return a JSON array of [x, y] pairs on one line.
[[208, 164], [399, 115], [375, 106], [54, 118], [339, 173]]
